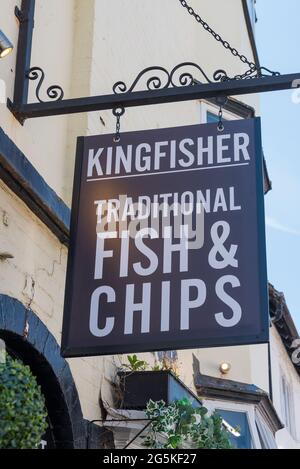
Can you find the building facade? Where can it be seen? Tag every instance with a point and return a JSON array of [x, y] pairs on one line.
[[86, 46]]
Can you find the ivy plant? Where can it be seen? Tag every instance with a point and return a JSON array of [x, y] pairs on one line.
[[179, 425], [23, 413]]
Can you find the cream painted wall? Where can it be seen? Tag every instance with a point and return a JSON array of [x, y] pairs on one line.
[[86, 46], [43, 140], [282, 366], [36, 277]]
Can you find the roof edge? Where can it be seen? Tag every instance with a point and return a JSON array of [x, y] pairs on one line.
[[209, 387], [251, 33], [284, 323]]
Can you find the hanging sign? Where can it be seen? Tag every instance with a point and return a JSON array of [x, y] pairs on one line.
[[167, 245]]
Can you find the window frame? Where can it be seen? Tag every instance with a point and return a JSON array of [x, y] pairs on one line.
[[247, 409], [206, 108], [287, 404], [266, 437]]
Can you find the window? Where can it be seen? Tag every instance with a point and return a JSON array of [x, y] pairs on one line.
[[209, 113], [238, 426], [169, 355], [246, 426], [211, 118], [287, 405]]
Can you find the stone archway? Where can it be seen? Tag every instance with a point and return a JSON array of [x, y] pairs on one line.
[[41, 352]]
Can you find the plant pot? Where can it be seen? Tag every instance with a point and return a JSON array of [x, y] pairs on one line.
[[137, 388]]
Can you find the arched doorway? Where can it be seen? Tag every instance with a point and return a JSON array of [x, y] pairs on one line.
[[39, 350]]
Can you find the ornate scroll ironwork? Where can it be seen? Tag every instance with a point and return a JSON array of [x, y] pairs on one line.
[[54, 92], [182, 75], [257, 72], [163, 79]]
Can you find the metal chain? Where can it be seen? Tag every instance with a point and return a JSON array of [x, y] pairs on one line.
[[118, 127], [118, 112], [221, 100], [218, 38], [220, 125]]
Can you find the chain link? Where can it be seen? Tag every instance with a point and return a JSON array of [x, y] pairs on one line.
[[118, 126], [218, 38], [118, 112], [221, 100], [220, 125]]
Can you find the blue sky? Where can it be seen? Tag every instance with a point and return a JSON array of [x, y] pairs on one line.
[[277, 37]]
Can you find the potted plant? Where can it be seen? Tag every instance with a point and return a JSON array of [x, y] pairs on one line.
[[139, 383]]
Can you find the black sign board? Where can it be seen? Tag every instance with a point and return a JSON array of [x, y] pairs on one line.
[[167, 243]]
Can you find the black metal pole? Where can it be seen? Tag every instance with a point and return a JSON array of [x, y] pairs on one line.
[[25, 16], [145, 98], [137, 435]]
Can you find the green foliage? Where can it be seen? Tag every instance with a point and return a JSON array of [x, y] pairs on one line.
[[157, 367], [167, 365], [135, 364], [22, 407], [180, 424]]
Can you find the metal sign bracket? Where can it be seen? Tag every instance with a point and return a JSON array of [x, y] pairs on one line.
[[187, 81]]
